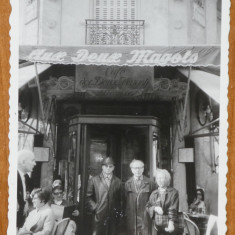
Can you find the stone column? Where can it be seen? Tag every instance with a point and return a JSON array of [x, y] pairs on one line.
[[179, 169]]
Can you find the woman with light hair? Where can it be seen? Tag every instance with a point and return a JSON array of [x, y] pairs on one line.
[[41, 220], [163, 205]]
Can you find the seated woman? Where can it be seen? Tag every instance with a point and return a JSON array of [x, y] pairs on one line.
[[41, 220], [57, 199], [198, 205], [163, 205]]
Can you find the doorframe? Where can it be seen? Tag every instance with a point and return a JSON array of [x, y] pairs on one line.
[[114, 119], [81, 122]]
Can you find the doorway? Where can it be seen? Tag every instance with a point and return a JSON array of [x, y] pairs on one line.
[[122, 143], [123, 138]]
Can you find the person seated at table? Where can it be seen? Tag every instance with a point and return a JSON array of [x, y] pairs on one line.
[[163, 205], [57, 196], [198, 205], [41, 220], [57, 199]]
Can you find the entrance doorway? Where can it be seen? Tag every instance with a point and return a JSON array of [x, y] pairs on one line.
[[123, 138], [122, 143]]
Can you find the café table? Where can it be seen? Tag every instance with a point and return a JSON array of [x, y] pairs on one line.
[[200, 220]]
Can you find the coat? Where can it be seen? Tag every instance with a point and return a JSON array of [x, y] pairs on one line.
[[104, 201], [169, 206], [137, 201], [40, 222], [20, 199]]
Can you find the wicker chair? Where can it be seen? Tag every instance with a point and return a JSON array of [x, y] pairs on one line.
[[61, 226], [191, 227]]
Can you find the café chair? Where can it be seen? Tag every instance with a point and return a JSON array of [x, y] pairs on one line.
[[185, 215], [61, 226], [191, 227]]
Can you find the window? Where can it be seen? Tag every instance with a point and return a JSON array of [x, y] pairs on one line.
[[115, 10], [115, 23]]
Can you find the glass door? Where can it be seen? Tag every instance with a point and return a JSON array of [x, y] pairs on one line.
[[93, 139]]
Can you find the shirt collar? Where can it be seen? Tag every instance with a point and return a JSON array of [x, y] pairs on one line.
[[107, 176], [139, 178], [21, 174], [43, 207], [58, 202], [162, 190]]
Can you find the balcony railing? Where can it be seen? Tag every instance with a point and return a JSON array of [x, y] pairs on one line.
[[115, 32]]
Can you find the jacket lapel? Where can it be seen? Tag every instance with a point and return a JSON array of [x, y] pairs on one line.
[[144, 184]]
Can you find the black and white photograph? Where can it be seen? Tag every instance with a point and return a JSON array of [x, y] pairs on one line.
[[118, 118]]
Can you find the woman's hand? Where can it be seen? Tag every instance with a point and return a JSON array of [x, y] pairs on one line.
[[170, 227], [75, 213], [158, 210]]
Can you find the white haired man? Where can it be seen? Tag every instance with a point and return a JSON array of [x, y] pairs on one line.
[[25, 164], [137, 191]]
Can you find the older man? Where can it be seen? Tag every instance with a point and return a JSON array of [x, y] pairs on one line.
[[25, 164], [137, 190], [104, 199]]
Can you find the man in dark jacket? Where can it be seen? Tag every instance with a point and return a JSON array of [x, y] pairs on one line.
[[104, 199], [25, 164], [137, 191]]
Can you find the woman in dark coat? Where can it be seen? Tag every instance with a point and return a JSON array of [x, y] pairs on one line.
[[163, 205]]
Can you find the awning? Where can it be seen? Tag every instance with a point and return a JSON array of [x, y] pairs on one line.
[[28, 73], [207, 82], [124, 55]]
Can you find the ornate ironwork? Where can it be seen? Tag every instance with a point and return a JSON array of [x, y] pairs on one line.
[[115, 32]]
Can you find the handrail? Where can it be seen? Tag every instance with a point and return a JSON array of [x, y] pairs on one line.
[[114, 32]]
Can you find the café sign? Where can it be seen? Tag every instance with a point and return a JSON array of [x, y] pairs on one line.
[[123, 55], [115, 78]]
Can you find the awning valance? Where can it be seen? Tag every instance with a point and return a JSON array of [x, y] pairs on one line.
[[124, 55]]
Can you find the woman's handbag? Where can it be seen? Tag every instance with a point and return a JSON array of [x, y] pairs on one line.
[[161, 220]]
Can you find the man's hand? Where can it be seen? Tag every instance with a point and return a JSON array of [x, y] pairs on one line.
[[158, 210], [170, 227]]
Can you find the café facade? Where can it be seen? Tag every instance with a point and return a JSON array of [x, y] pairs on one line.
[[93, 85], [82, 104]]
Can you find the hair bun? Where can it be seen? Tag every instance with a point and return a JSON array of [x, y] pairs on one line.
[[57, 183]]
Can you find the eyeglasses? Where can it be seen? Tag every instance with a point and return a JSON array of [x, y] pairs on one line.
[[109, 166], [137, 168], [58, 193]]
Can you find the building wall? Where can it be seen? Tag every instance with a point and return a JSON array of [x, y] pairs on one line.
[[178, 131], [28, 31], [203, 147], [167, 22]]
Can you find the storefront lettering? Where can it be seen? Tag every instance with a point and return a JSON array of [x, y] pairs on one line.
[[133, 57], [83, 55], [42, 55], [149, 57], [113, 77], [104, 83]]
